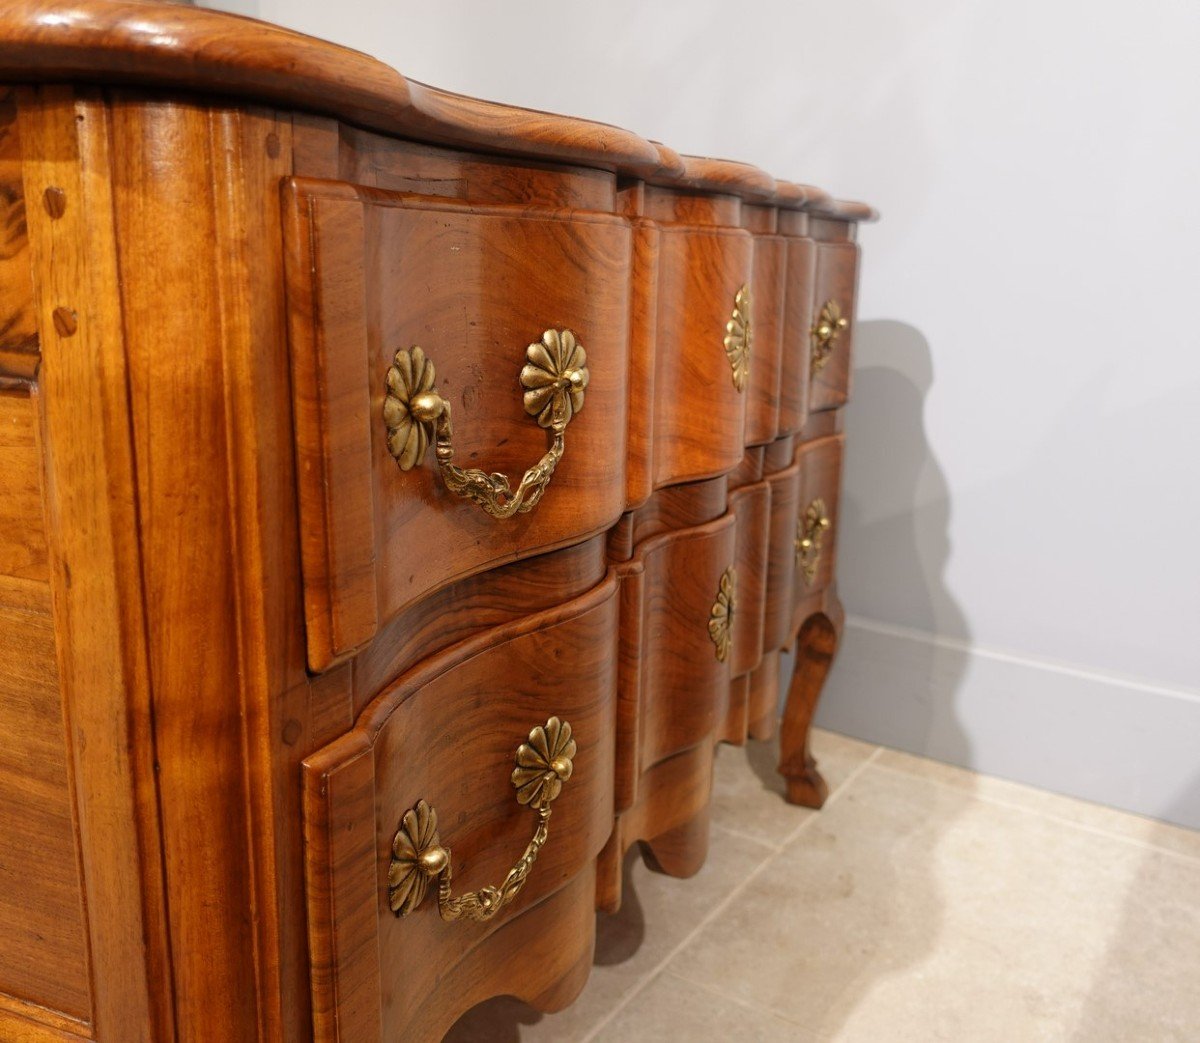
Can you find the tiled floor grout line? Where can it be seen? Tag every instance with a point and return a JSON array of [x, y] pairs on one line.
[[654, 972], [769, 845], [720, 907], [1082, 827], [833, 796], [712, 990]]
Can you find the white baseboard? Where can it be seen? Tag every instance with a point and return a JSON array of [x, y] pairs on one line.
[[1106, 739]]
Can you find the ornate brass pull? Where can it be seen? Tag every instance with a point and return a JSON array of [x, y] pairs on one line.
[[544, 763], [738, 335], [720, 616], [809, 531], [825, 332], [554, 377]]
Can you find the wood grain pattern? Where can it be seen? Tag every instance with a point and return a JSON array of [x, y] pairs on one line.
[[378, 161], [769, 287], [820, 463], [644, 320], [836, 279], [92, 525], [816, 645], [698, 427], [163, 177], [684, 682], [442, 736], [242, 642], [781, 557], [18, 326], [23, 552], [473, 287], [751, 508], [724, 176], [796, 350], [44, 957], [479, 602], [172, 46]]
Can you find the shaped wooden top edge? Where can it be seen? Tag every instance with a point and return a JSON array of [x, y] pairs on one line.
[[790, 195], [726, 176], [844, 210], [153, 44], [148, 43], [463, 122]]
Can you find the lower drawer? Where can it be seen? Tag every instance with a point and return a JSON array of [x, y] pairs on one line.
[[445, 738], [816, 526]]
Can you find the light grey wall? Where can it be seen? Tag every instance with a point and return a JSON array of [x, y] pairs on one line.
[[1022, 485]]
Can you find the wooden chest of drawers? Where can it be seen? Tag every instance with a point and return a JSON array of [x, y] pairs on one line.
[[400, 495]]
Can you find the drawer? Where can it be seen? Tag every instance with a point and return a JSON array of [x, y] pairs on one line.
[[678, 626], [781, 558], [832, 326], [476, 288], [794, 364], [820, 464], [701, 381], [447, 734], [768, 292], [751, 508]]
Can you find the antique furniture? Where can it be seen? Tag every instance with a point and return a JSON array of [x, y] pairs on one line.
[[318, 719]]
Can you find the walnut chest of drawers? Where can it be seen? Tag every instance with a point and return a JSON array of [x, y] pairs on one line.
[[400, 495]]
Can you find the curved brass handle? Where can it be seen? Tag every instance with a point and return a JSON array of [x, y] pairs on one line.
[[544, 763], [825, 332], [554, 377], [809, 531]]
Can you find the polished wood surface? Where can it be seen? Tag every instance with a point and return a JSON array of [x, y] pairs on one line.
[[441, 733], [239, 643], [370, 272]]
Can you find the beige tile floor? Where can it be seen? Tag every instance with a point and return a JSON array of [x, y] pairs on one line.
[[923, 902]]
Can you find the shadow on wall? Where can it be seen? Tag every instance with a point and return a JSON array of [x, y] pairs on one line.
[[893, 548]]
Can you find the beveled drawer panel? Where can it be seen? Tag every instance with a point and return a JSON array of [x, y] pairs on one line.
[[820, 481], [834, 298], [700, 400], [768, 318], [447, 733], [680, 634], [373, 272], [751, 507], [795, 366], [781, 558]]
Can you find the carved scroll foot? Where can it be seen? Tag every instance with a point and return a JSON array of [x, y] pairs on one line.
[[808, 790], [815, 648]]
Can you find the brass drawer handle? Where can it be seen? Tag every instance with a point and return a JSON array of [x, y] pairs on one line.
[[825, 332], [809, 531], [554, 377], [544, 763]]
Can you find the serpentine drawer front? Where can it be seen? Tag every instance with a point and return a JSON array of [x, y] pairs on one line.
[[447, 736], [473, 292], [831, 330], [401, 495]]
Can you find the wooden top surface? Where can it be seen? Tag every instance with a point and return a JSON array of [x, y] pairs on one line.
[[144, 43]]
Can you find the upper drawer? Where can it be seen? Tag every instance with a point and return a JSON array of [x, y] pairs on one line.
[[372, 273], [702, 351], [832, 331]]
